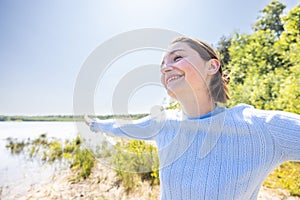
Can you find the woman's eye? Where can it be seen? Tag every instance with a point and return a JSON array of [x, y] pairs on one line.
[[177, 58]]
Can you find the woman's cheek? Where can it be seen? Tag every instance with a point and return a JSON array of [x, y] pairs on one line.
[[184, 65]]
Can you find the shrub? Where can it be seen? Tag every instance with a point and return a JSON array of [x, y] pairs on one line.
[[136, 160], [83, 162], [286, 176]]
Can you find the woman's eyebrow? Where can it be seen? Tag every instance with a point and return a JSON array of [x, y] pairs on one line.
[[174, 51], [170, 53]]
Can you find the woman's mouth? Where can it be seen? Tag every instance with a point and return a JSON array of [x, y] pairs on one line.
[[173, 78]]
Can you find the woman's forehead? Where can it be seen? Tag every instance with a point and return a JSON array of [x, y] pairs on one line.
[[173, 48], [177, 45]]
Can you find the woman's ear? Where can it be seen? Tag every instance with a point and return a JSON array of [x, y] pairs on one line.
[[213, 66]]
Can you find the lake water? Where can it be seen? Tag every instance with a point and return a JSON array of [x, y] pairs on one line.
[[18, 172]]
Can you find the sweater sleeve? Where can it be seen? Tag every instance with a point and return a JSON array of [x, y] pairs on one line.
[[143, 129], [285, 129]]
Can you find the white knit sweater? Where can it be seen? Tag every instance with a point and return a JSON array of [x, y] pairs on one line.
[[226, 155]]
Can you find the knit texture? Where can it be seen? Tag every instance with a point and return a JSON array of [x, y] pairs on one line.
[[224, 156]]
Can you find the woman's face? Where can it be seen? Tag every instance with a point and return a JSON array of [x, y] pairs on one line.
[[183, 71]]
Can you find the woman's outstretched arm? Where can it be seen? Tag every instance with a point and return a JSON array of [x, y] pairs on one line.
[[285, 128], [143, 129]]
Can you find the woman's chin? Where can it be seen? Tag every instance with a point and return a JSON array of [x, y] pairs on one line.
[[173, 93]]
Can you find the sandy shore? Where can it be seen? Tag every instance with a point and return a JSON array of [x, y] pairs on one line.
[[103, 184]]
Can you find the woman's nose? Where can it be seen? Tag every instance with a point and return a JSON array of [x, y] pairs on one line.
[[166, 68]]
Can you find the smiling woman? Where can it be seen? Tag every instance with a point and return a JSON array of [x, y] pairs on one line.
[[209, 151]]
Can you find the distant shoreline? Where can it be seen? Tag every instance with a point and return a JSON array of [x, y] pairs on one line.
[[63, 118]]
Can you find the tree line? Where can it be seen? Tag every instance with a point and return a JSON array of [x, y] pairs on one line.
[[264, 66]]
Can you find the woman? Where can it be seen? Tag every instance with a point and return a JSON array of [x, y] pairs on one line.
[[209, 151]]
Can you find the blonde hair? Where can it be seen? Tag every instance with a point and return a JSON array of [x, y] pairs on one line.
[[218, 85]]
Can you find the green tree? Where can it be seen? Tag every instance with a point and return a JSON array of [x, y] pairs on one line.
[[271, 18], [265, 68], [289, 48], [222, 48]]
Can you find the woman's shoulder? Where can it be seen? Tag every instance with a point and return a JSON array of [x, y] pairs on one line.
[[241, 110], [241, 107], [249, 112]]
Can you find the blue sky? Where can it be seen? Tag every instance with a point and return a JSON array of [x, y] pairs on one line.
[[45, 43]]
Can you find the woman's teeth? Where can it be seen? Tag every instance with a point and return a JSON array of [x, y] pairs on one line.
[[173, 78]]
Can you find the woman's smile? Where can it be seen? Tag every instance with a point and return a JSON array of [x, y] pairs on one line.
[[173, 78]]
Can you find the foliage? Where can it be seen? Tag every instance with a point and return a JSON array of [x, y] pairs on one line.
[[174, 105], [271, 18], [222, 48], [286, 176], [136, 160], [81, 161], [14, 146], [265, 68]]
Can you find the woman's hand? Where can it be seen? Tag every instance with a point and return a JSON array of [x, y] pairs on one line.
[[87, 120]]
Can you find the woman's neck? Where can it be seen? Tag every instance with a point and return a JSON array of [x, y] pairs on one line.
[[197, 105]]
